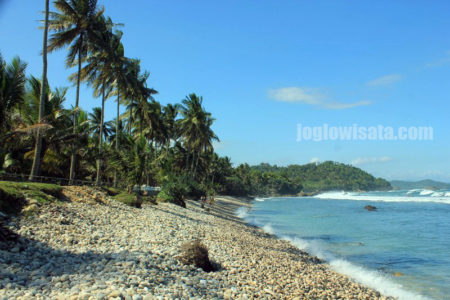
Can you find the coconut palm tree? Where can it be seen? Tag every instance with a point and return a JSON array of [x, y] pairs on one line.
[[195, 128], [141, 98], [133, 162], [205, 138], [170, 113], [12, 90], [154, 130], [100, 71], [133, 76], [74, 25], [57, 131], [95, 124], [37, 153], [123, 80]]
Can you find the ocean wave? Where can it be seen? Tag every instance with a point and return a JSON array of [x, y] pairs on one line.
[[438, 194], [268, 229], [242, 212], [260, 199], [373, 279], [413, 191], [383, 198], [426, 192]]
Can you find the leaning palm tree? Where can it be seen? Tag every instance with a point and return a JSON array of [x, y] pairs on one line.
[[141, 98], [37, 153], [74, 24]]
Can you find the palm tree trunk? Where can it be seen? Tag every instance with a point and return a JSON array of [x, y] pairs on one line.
[[100, 139], [192, 163], [130, 121], [117, 134], [196, 164], [187, 158], [38, 149], [73, 159]]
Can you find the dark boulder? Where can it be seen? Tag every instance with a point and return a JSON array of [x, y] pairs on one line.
[[370, 207]]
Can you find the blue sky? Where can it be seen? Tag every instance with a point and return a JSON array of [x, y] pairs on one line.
[[262, 67]]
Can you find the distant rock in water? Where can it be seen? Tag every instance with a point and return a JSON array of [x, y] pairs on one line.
[[370, 207]]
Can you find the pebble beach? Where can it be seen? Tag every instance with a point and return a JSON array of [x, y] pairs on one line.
[[107, 250]]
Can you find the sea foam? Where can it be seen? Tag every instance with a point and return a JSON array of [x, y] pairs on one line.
[[439, 198], [426, 192], [242, 212], [370, 278]]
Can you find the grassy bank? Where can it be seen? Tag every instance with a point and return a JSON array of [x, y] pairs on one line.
[[14, 195]]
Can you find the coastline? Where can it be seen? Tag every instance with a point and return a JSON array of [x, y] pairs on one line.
[[99, 251]]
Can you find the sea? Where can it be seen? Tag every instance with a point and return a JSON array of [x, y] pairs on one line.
[[402, 249]]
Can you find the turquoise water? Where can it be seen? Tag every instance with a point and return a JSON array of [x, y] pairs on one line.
[[409, 233]]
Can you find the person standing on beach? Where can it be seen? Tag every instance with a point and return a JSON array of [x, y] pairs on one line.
[[211, 201]]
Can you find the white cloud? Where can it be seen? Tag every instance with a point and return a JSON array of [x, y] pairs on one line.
[[311, 96], [384, 80], [368, 160], [314, 160], [441, 62]]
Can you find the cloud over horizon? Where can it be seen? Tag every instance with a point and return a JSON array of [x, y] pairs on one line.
[[367, 160], [314, 160], [384, 80], [311, 96]]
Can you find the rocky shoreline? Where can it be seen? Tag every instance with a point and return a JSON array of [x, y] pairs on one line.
[[106, 250]]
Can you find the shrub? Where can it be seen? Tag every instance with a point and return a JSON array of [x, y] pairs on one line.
[[129, 199], [196, 190], [195, 253], [111, 191], [174, 190]]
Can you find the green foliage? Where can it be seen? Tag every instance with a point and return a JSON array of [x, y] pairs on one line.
[[111, 191], [327, 176], [422, 184], [236, 187], [174, 190], [196, 190], [128, 199], [12, 90]]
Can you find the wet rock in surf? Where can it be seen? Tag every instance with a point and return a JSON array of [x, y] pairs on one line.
[[370, 207]]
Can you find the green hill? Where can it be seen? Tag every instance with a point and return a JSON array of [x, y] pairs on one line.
[[326, 176], [422, 184]]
